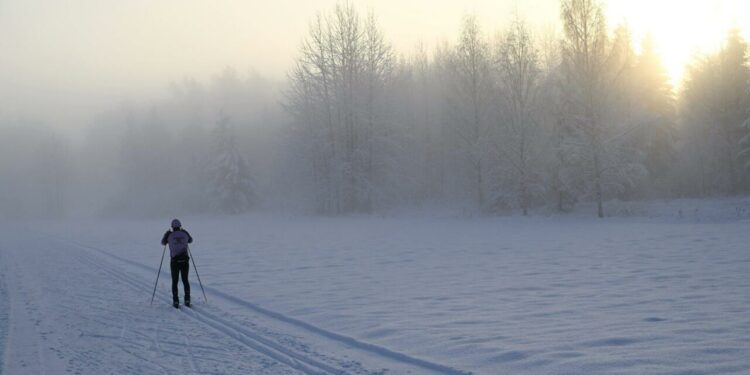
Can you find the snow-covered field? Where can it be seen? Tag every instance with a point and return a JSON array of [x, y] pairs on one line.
[[368, 295]]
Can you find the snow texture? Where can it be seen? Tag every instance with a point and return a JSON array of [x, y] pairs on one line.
[[3, 315], [363, 295]]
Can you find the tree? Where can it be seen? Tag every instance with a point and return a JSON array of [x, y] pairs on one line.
[[595, 70], [584, 51], [744, 154], [700, 143], [232, 185], [468, 99], [714, 105], [520, 75], [377, 72], [656, 103], [734, 74], [562, 184], [337, 98], [734, 79]]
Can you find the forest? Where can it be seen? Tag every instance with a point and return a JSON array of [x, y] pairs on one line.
[[522, 121]]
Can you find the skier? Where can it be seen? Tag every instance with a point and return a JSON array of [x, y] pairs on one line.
[[178, 240]]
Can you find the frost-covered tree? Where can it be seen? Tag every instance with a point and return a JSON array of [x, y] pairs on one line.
[[714, 102], [655, 100], [584, 62], [373, 155], [469, 96], [510, 122], [595, 69], [418, 142], [337, 96], [562, 183], [232, 189], [421, 115], [730, 109], [734, 75], [520, 134], [699, 144], [745, 141]]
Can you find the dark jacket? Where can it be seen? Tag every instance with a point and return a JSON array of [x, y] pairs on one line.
[[178, 240]]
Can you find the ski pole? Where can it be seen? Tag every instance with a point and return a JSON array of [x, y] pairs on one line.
[[158, 273], [197, 274]]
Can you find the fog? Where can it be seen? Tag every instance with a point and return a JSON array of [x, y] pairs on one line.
[[145, 108], [76, 57]]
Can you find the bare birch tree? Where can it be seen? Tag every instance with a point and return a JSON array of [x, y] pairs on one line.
[[336, 97], [469, 98], [594, 69], [520, 76]]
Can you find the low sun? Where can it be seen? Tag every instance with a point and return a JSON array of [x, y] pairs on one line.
[[680, 29]]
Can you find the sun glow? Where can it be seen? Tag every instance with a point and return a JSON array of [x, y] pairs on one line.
[[681, 29]]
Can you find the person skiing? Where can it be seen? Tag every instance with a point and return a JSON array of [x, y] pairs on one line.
[[178, 240]]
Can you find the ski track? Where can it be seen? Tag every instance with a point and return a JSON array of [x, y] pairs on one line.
[[31, 336], [242, 336], [4, 319], [261, 344], [544, 296], [82, 330]]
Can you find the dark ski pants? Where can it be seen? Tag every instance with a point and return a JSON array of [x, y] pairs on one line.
[[180, 267]]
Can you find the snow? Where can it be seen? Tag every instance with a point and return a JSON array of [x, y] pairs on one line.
[[390, 295], [3, 316]]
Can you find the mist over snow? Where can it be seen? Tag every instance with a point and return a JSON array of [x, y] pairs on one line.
[[375, 187]]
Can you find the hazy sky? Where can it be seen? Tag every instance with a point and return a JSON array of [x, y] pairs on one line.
[[61, 60]]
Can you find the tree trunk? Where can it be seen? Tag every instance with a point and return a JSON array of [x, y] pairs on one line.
[[598, 186]]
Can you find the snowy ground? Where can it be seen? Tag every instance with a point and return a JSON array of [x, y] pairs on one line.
[[304, 295]]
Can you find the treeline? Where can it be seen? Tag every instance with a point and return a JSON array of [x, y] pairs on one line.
[[207, 147], [515, 122]]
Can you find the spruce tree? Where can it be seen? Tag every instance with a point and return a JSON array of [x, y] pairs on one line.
[[656, 100], [232, 185]]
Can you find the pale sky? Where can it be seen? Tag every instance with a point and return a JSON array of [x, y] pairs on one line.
[[62, 60]]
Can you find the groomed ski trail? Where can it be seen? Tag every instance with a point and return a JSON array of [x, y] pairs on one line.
[[273, 349], [73, 317], [276, 343], [242, 336]]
